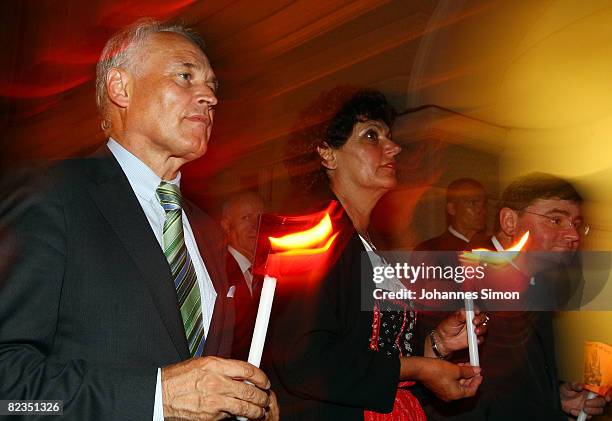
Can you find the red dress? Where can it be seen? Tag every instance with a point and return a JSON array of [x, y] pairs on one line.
[[391, 333]]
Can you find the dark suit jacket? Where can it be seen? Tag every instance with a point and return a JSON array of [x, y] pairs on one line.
[[88, 310], [519, 371], [318, 357], [448, 242], [246, 309]]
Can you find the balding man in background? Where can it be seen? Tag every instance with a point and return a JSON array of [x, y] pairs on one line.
[[466, 209], [240, 221]]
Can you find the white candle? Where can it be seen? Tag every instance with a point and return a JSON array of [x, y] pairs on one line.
[[261, 323], [583, 416], [471, 332]]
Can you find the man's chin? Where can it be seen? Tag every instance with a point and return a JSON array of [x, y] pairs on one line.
[[195, 148], [555, 257]]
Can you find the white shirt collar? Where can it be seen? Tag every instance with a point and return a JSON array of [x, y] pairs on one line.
[[499, 247], [366, 244], [497, 244], [143, 180], [242, 260], [458, 234]]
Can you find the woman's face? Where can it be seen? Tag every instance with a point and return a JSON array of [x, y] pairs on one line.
[[367, 159]]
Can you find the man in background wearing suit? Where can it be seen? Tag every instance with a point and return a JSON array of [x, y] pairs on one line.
[[466, 216], [466, 210], [240, 220], [116, 302]]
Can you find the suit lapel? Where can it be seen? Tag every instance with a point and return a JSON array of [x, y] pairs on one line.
[[206, 247], [116, 201]]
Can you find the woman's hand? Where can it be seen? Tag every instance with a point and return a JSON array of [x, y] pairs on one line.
[[446, 380], [451, 333]]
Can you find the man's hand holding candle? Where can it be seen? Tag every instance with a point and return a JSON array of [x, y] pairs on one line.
[[574, 398]]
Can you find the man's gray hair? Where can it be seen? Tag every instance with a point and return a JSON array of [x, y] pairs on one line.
[[237, 197], [120, 50]]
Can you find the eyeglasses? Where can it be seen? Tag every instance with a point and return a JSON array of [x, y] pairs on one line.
[[564, 222]]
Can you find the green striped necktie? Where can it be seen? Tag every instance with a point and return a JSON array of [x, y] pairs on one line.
[[181, 267]]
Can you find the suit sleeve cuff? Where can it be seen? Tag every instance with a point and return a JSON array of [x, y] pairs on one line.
[[158, 407]]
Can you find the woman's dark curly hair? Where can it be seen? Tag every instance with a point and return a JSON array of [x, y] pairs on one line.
[[330, 119]]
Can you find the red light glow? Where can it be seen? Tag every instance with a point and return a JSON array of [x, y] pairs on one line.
[[303, 252], [298, 248], [306, 239]]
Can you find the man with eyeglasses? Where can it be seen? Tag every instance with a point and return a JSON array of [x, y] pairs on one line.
[[518, 358], [549, 208], [546, 206]]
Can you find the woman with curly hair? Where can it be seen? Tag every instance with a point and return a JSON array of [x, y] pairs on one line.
[[334, 353]]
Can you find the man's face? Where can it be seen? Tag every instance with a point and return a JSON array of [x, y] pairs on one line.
[[553, 225], [240, 224], [171, 97], [468, 209]]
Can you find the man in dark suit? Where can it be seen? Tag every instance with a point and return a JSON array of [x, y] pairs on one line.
[[240, 219], [549, 208], [519, 353], [116, 302], [466, 211]]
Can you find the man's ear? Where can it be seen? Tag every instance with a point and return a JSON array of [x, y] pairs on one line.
[[328, 156], [117, 81], [508, 221], [225, 224], [451, 209]]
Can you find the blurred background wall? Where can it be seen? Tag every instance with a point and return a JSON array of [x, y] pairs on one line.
[[542, 71]]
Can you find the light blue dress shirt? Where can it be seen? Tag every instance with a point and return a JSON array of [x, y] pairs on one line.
[[144, 183]]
